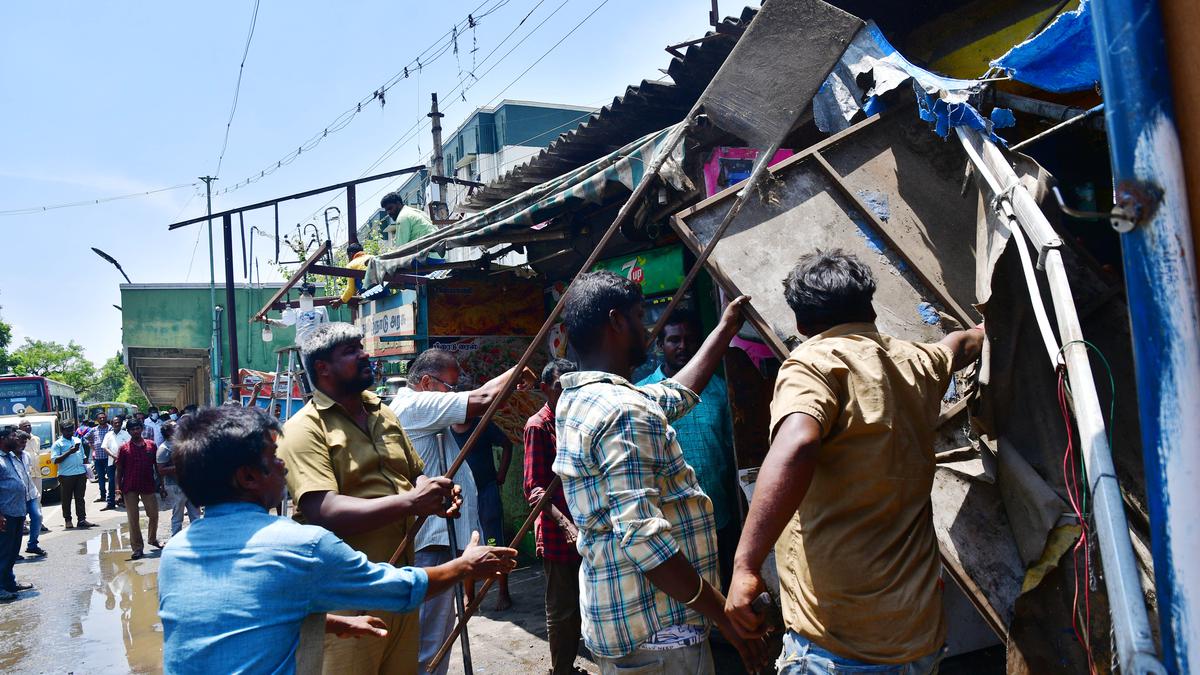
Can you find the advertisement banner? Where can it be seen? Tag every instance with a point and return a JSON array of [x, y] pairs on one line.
[[389, 332], [472, 307], [659, 270]]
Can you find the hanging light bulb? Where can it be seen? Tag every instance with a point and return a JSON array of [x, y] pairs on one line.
[[267, 336]]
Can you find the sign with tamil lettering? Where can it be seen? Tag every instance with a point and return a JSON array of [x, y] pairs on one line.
[[388, 332]]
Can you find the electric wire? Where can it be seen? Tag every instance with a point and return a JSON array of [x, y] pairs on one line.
[[417, 64], [237, 89], [90, 202]]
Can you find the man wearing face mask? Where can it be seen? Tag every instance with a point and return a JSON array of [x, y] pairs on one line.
[[173, 414], [152, 426]]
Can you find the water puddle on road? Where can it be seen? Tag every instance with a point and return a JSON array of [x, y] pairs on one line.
[[123, 607]]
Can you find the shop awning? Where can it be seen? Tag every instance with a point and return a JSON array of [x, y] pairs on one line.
[[594, 183]]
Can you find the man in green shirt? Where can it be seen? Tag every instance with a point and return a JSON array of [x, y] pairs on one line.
[[399, 223]]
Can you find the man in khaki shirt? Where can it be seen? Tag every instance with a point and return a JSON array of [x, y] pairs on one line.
[[352, 470], [844, 492]]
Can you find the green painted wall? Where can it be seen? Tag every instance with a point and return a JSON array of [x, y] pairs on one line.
[[180, 317]]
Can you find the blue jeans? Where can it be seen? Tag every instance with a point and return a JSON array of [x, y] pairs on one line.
[[802, 657], [100, 467], [111, 472], [34, 506]]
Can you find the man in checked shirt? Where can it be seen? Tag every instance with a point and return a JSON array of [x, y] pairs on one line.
[[649, 581]]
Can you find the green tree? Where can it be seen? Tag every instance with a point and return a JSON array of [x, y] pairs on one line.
[[131, 393], [5, 341], [109, 381], [46, 358]]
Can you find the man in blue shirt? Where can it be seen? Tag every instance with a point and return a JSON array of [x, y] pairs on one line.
[[235, 587], [13, 501], [67, 452], [705, 434]]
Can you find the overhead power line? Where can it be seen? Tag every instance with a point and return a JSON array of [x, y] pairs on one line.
[[237, 89], [432, 53], [90, 202]]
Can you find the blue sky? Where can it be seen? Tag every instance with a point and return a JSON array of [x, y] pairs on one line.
[[103, 99]]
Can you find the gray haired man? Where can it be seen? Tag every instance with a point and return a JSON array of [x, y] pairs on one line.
[[352, 470]]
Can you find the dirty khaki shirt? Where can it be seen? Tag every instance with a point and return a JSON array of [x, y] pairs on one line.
[[324, 450], [858, 562]]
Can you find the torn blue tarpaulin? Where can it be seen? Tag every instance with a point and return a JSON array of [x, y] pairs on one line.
[[1061, 58], [942, 100]]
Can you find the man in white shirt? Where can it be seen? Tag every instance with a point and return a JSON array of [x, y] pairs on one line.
[[426, 409], [152, 426], [113, 441]]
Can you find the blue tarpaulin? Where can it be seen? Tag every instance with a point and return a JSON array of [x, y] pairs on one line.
[[1061, 58]]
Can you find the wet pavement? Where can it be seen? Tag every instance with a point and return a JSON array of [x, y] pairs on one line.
[[92, 609]]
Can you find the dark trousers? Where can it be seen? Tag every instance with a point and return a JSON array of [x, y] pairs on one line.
[[10, 548], [100, 467], [562, 614], [727, 541], [73, 487], [111, 472]]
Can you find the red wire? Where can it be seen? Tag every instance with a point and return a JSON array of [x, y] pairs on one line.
[[1072, 486]]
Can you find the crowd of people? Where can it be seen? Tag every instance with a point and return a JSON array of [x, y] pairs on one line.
[[643, 547]]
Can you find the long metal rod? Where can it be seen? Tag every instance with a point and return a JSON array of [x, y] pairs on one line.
[[299, 195], [1161, 282], [623, 215], [1059, 127], [214, 356], [459, 605], [542, 504], [743, 195], [1131, 626], [230, 304]]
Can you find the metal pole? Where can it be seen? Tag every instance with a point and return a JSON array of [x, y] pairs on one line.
[[459, 604], [351, 215], [438, 159], [230, 314], [1161, 284], [213, 347], [1127, 608]]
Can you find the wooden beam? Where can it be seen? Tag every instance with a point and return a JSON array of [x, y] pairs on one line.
[[312, 259]]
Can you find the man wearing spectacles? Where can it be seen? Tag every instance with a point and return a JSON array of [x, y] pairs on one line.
[[426, 409]]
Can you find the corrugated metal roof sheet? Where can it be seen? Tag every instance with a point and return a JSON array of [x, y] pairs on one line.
[[643, 109]]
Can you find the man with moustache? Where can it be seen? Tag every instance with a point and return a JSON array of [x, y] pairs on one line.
[[353, 471]]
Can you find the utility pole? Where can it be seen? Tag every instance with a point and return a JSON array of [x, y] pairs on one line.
[[714, 16], [214, 349], [438, 210]]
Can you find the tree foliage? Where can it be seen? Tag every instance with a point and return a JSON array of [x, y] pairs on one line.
[[5, 341], [131, 393], [109, 380], [46, 358]]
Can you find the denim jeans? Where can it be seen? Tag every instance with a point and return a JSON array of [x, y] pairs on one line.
[[100, 467], [179, 504], [111, 473], [34, 507], [802, 657]]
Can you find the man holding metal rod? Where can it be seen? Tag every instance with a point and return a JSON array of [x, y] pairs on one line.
[[353, 471], [426, 409], [647, 535]]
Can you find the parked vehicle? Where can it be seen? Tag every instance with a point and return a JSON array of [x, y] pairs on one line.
[[45, 427]]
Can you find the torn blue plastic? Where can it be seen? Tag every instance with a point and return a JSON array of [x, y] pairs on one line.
[[1061, 58], [1002, 118], [929, 314], [878, 203], [942, 100]]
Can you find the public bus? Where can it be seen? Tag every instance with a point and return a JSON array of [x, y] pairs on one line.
[[28, 394], [110, 409]]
